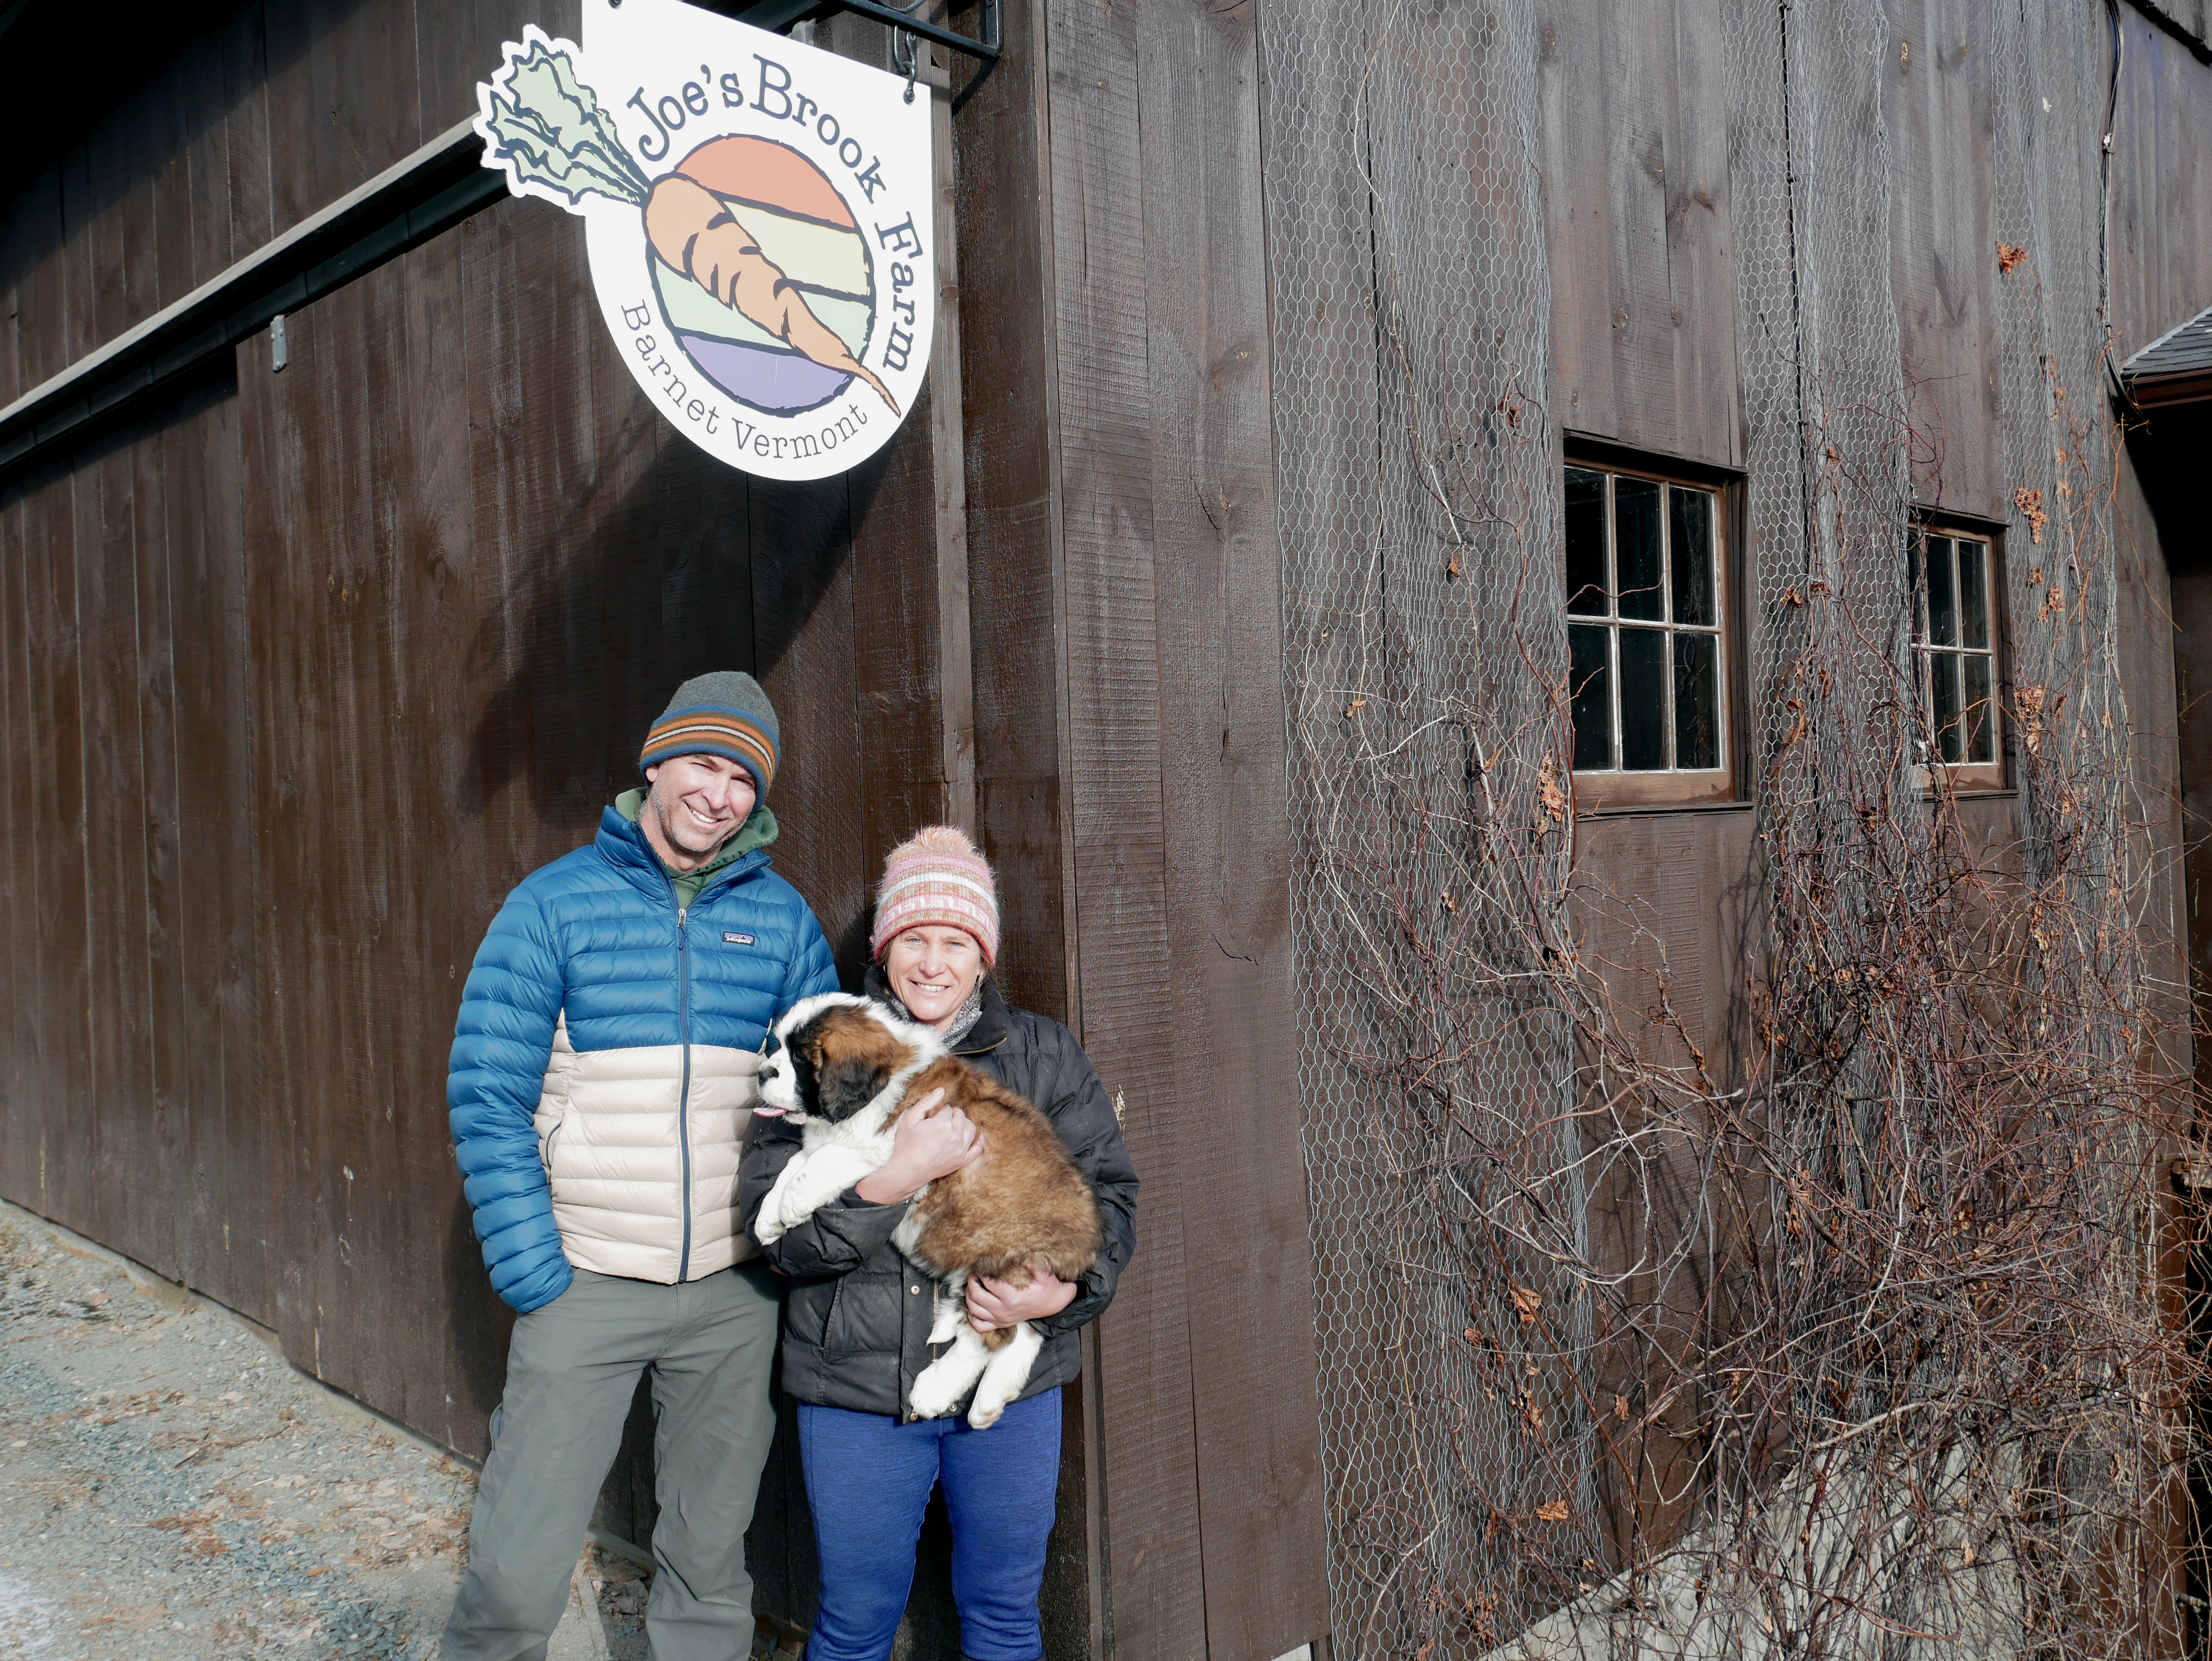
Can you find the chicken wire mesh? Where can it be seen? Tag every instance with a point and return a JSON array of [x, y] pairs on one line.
[[1849, 1341]]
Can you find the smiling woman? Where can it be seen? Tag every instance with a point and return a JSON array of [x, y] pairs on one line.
[[857, 1317]]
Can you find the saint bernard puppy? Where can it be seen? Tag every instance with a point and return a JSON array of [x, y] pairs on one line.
[[846, 1069]]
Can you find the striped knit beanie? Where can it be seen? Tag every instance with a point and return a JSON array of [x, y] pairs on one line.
[[725, 713], [938, 878]]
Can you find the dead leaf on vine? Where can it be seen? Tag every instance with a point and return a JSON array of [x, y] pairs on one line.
[[1554, 1512], [1355, 705], [1551, 798], [2030, 503], [2009, 254], [1791, 597], [1620, 1407], [1528, 1300]]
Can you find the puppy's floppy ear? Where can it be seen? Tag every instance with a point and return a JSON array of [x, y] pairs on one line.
[[849, 1083]]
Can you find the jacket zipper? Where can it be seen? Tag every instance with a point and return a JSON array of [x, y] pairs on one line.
[[683, 1093]]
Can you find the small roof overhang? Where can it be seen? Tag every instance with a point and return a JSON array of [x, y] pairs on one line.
[[2174, 369]]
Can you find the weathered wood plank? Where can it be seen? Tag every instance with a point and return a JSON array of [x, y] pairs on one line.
[[802, 593], [457, 45], [56, 823], [1013, 596], [1637, 196], [1125, 1005], [1944, 245], [22, 1144], [217, 869], [273, 504], [161, 1114], [343, 99], [1226, 825], [246, 154], [111, 880], [434, 922]]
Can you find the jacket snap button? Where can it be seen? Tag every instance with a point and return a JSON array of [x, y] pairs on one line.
[[914, 1292]]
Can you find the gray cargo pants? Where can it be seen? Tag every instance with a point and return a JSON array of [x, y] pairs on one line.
[[571, 1371]]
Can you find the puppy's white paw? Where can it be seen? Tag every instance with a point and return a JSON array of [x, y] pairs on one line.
[[936, 1392], [984, 1414], [950, 1314]]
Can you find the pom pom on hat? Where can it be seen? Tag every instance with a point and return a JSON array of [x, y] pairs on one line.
[[938, 878]]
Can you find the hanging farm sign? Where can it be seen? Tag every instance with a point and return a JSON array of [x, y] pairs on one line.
[[757, 216]]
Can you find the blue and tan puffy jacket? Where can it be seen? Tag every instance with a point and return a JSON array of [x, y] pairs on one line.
[[602, 1064]]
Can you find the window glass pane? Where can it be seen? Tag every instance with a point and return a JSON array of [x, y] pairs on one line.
[[1586, 590], [1919, 594], [1942, 603], [1643, 699], [1591, 686], [1696, 702], [1981, 719], [1692, 552], [1636, 551], [1974, 592], [1944, 670]]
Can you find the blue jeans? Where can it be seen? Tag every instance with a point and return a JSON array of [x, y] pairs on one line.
[[868, 1479]]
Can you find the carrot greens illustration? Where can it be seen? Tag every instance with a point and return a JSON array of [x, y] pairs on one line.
[[555, 133], [552, 129]]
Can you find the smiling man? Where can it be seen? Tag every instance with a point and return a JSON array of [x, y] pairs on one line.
[[602, 1077]]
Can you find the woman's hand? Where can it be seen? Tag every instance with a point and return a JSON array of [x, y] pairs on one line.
[[993, 1303], [925, 1146]]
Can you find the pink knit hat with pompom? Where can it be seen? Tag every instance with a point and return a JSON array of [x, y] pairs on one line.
[[938, 878]]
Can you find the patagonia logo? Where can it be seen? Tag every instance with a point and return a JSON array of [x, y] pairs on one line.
[[731, 937]]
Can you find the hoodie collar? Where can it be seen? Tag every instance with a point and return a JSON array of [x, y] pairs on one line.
[[622, 839]]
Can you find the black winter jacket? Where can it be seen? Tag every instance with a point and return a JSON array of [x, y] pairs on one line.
[[856, 1320]]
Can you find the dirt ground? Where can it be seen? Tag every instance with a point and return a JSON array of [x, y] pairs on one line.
[[172, 1490]]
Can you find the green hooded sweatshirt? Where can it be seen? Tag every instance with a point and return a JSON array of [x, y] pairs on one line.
[[758, 831]]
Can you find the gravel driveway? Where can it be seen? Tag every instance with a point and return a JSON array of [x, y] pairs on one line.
[[173, 1489]]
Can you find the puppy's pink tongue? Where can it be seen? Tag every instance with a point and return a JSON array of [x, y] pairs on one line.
[[762, 1110]]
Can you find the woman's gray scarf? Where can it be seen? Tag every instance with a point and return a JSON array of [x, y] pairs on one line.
[[963, 1019]]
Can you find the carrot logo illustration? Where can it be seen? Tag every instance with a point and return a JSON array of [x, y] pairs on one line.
[[757, 218]]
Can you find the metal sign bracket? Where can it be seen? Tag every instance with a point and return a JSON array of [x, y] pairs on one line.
[[780, 15]]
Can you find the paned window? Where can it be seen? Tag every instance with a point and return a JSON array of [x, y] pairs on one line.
[[1645, 589], [1954, 638]]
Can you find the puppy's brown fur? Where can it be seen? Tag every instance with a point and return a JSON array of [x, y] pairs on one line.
[[1020, 1201]]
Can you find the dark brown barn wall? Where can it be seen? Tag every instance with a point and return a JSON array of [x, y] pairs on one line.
[[303, 671], [218, 132]]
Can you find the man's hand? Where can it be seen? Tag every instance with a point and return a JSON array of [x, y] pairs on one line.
[[993, 1303], [925, 1146]]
